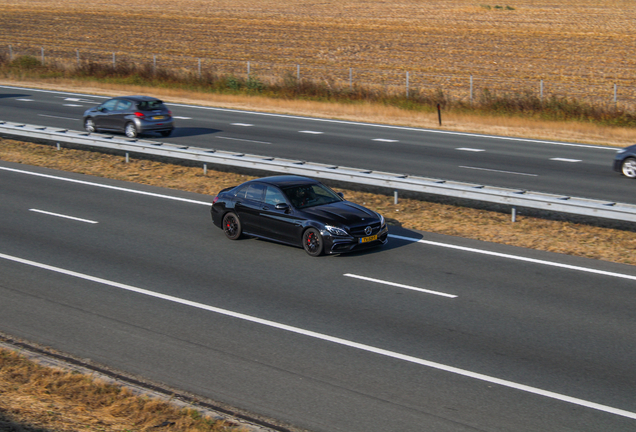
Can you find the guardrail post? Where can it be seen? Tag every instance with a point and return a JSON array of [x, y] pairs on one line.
[[58, 146], [205, 169], [395, 197], [514, 214], [127, 157]]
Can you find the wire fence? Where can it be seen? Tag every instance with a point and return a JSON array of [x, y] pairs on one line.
[[466, 88]]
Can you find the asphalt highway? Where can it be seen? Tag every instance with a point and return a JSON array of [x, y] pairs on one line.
[[568, 169], [430, 333]]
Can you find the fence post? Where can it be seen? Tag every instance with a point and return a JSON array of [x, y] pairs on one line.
[[78, 58], [298, 74], [350, 78], [541, 91], [42, 56], [154, 64], [248, 70], [615, 98], [113, 60], [407, 85], [471, 89], [199, 68], [10, 53]]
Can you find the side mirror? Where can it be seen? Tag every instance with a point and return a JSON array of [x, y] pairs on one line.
[[340, 194], [282, 206]]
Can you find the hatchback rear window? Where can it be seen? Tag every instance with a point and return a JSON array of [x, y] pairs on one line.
[[151, 105]]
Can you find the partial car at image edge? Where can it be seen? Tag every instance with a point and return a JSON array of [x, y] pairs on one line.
[[297, 211], [625, 161]]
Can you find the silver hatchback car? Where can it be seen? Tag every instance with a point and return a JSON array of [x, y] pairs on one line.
[[132, 115]]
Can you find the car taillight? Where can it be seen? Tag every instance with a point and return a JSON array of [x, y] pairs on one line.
[[216, 198], [138, 114], [170, 113]]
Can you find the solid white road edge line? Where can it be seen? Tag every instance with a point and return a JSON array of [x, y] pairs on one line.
[[87, 183], [499, 171], [336, 340], [516, 257], [481, 251], [63, 216], [399, 285]]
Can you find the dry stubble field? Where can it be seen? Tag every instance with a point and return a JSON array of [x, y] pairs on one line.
[[576, 41]]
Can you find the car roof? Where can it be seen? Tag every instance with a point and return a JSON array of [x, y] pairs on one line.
[[139, 98], [286, 180]]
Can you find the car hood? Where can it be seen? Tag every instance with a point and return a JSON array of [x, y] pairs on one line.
[[342, 213]]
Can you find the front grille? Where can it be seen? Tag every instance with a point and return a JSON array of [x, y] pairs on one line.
[[358, 231]]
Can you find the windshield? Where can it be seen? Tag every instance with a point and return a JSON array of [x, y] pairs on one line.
[[311, 195]]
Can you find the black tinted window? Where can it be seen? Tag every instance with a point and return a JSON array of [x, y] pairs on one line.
[[109, 105], [252, 191], [151, 105], [123, 105], [274, 196]]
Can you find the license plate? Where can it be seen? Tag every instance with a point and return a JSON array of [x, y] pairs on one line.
[[158, 118], [368, 239]]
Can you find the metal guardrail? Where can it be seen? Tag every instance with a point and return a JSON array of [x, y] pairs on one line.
[[397, 182]]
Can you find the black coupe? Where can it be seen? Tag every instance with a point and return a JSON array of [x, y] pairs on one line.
[[298, 211]]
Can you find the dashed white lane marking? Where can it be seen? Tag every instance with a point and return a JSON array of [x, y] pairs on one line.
[[72, 105], [499, 171], [333, 339], [25, 100], [467, 149], [386, 140], [241, 139], [311, 132], [565, 160], [182, 118], [408, 287], [64, 216], [242, 124]]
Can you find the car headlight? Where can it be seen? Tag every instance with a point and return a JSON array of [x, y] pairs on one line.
[[336, 231], [381, 220]]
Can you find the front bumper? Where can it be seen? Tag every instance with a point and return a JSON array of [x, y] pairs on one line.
[[345, 244]]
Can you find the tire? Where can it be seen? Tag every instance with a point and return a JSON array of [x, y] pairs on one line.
[[628, 167], [131, 130], [165, 133], [232, 226], [312, 242], [89, 125]]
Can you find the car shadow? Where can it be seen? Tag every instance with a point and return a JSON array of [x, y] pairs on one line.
[[13, 95], [192, 131]]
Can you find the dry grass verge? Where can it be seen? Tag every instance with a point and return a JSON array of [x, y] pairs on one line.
[[570, 238], [35, 398]]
